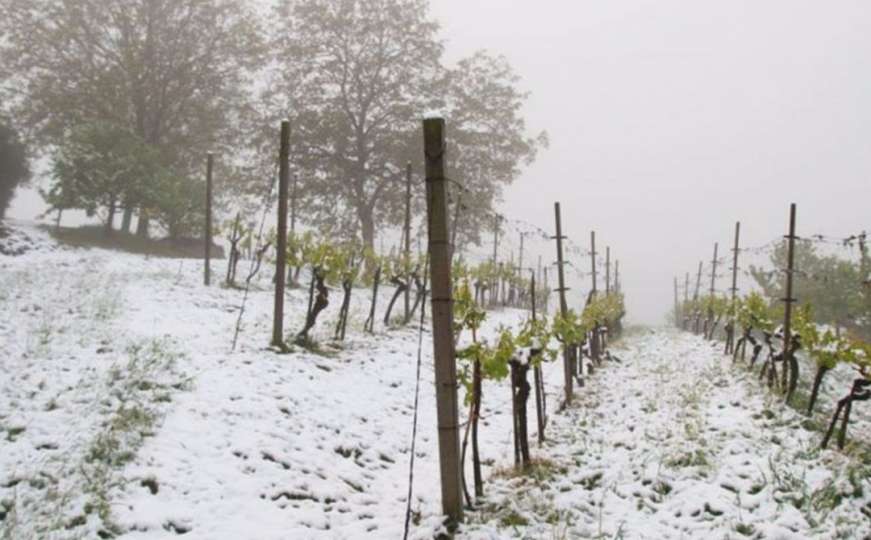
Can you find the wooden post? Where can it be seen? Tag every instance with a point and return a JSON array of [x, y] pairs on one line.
[[686, 289], [697, 314], [594, 335], [207, 270], [520, 268], [494, 285], [787, 312], [567, 365], [714, 269], [281, 243], [709, 330], [686, 298], [538, 380], [407, 233], [730, 338], [442, 319], [617, 276], [593, 258], [698, 282], [676, 305], [607, 270]]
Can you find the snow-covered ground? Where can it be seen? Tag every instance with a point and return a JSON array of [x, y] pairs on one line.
[[123, 412]]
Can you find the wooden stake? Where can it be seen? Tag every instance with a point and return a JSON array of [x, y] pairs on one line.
[[538, 380], [207, 270], [730, 338], [407, 293], [444, 354], [281, 245], [567, 365], [787, 312], [593, 258]]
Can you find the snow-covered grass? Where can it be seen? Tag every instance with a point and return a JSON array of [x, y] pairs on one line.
[[124, 412], [676, 442]]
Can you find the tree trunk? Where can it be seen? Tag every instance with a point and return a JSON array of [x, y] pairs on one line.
[[127, 219], [818, 380], [367, 227], [142, 225], [110, 220]]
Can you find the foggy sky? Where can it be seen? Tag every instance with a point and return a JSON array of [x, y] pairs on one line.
[[670, 120]]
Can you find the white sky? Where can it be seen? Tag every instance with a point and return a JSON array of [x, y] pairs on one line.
[[671, 119]]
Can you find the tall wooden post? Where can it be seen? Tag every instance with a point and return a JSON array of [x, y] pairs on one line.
[[686, 288], [567, 365], [407, 233], [607, 270], [676, 305], [538, 381], [697, 314], [730, 338], [714, 269], [207, 269], [787, 312], [281, 243], [494, 285], [444, 354], [617, 276], [520, 263], [698, 282], [593, 258], [709, 322], [594, 334]]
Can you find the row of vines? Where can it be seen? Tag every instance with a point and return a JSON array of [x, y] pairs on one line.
[[751, 335]]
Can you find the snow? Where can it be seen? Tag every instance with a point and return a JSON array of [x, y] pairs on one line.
[[671, 442]]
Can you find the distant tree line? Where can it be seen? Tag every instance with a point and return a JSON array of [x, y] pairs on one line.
[[127, 96]]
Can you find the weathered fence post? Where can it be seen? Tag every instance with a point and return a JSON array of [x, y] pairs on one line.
[[787, 312], [594, 337], [538, 380], [730, 338], [494, 284], [407, 294], [686, 299], [696, 297], [207, 270], [617, 275], [567, 364], [442, 318], [709, 324], [281, 243], [607, 270]]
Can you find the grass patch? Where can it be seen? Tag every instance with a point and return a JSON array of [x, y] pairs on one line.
[[94, 236]]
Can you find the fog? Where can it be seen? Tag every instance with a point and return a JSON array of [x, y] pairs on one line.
[[670, 120]]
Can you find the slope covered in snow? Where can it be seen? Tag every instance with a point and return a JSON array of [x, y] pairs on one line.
[[123, 412]]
